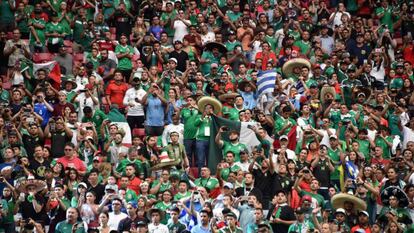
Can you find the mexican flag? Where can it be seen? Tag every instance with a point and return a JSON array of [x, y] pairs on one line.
[[247, 137]]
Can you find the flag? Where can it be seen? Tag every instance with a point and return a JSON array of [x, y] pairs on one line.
[[247, 137], [52, 68], [266, 81]]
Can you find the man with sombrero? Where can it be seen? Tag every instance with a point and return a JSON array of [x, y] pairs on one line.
[[30, 202], [208, 106], [395, 200]]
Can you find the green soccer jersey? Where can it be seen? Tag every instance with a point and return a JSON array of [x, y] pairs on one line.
[[231, 45], [124, 63], [304, 46], [334, 155], [52, 27], [225, 172], [386, 150], [167, 17], [272, 42], [316, 198], [163, 187], [204, 128], [180, 196], [130, 195], [65, 227], [176, 227], [122, 165], [189, 117], [210, 183], [40, 32], [387, 17], [164, 207], [98, 117], [235, 148]]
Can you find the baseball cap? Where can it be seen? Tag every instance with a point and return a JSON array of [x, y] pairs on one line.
[[340, 210], [283, 137], [333, 136], [214, 65], [97, 158], [111, 187], [82, 184], [173, 59], [364, 213], [141, 223], [228, 185]]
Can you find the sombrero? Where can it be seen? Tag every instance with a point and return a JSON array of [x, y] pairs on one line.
[[211, 45], [228, 95], [165, 161], [39, 184], [156, 210], [396, 192], [203, 101], [338, 201], [325, 90], [288, 67]]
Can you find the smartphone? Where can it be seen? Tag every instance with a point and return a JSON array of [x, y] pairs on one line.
[[225, 128], [52, 126]]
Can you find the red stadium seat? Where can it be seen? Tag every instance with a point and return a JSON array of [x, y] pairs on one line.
[[42, 57]]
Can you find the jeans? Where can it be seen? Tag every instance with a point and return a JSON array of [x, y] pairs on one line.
[[202, 153], [190, 149]]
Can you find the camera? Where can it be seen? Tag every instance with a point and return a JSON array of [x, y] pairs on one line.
[[83, 90]]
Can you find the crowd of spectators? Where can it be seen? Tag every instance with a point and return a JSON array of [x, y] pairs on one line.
[[112, 111]]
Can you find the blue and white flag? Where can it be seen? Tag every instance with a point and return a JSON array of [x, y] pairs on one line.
[[266, 81]]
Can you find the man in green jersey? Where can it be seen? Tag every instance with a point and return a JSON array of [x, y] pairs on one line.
[[71, 224], [206, 180], [232, 145], [189, 114]]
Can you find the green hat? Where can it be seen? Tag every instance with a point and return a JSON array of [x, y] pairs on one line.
[[396, 83]]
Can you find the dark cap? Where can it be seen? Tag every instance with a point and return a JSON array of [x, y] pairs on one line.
[[174, 209], [231, 214], [142, 223], [37, 11], [299, 211]]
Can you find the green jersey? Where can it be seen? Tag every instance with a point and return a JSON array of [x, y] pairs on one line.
[[180, 196], [210, 183], [225, 172], [163, 187], [235, 148], [316, 198], [204, 128], [65, 227], [52, 27], [189, 116], [122, 165], [40, 32], [98, 117], [304, 46], [166, 18], [176, 227], [124, 63]]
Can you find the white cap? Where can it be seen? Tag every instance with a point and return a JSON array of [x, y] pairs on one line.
[[283, 137], [340, 210]]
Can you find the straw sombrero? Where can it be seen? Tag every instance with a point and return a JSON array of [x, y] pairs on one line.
[[288, 67], [165, 161], [229, 95], [203, 101], [39, 184], [70, 79], [325, 90], [338, 201]]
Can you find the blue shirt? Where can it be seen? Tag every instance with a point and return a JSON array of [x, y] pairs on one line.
[[155, 112], [200, 229], [42, 110], [249, 99]]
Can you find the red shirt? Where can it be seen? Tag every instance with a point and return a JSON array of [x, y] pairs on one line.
[[116, 92], [367, 230], [382, 162], [409, 53], [266, 58], [134, 185], [75, 162]]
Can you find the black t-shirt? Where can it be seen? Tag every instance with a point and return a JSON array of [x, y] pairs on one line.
[[99, 191], [30, 142], [59, 139], [39, 168], [286, 214], [267, 183], [27, 210], [182, 58], [322, 173]]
